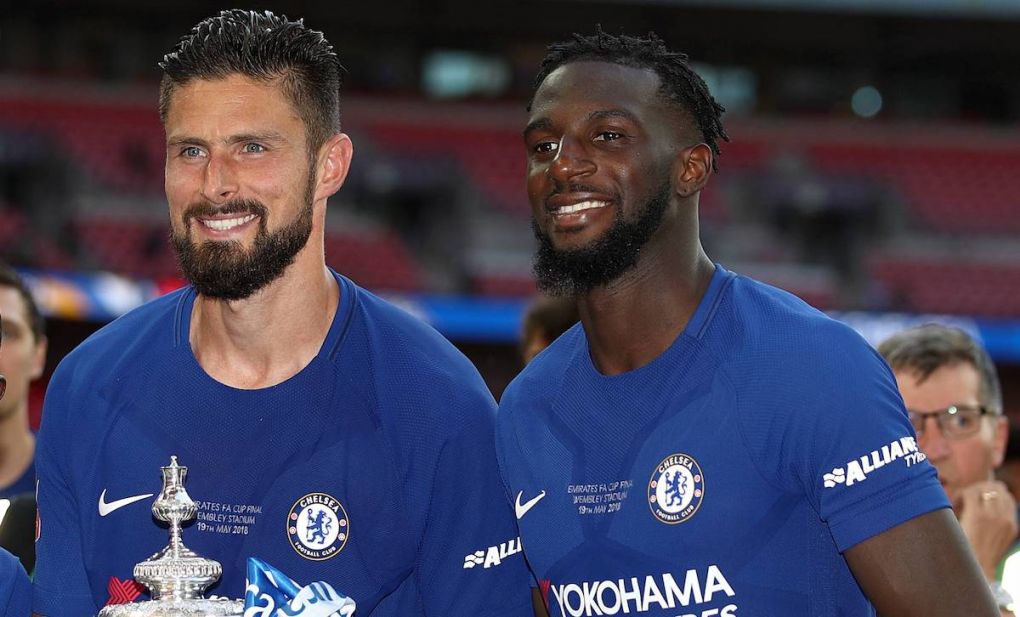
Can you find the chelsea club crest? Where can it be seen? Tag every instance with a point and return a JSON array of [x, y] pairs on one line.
[[318, 526], [676, 489]]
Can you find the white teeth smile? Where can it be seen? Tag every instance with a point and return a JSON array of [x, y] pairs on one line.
[[578, 207], [225, 224]]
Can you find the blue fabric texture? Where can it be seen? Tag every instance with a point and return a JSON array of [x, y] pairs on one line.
[[24, 484], [15, 588]]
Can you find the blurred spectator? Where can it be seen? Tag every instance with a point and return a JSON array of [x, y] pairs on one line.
[[945, 376], [827, 215], [545, 319], [22, 361], [15, 588], [34, 181], [1009, 471]]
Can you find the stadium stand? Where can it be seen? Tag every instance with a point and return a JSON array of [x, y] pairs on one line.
[[987, 289], [910, 176]]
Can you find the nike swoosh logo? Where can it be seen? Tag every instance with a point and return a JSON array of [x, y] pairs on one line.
[[522, 508], [108, 507]]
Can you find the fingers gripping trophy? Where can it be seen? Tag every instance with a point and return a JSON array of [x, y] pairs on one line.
[[176, 576]]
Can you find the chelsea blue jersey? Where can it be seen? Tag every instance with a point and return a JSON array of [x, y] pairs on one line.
[[372, 469], [723, 479], [15, 588], [24, 484]]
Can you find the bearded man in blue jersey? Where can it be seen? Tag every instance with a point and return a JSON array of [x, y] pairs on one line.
[[701, 445], [325, 431]]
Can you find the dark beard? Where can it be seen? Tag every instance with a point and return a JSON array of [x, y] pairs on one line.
[[577, 271], [225, 270]]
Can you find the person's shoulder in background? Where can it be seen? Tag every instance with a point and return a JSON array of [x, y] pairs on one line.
[[15, 588]]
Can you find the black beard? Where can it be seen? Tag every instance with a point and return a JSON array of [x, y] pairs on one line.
[[225, 270], [572, 272]]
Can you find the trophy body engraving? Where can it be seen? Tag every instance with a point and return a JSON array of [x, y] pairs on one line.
[[176, 576]]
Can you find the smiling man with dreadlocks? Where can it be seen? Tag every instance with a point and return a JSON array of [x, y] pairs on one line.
[[701, 444]]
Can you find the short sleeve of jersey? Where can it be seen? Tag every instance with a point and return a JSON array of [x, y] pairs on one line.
[[471, 558], [504, 439], [15, 588], [60, 586], [828, 421]]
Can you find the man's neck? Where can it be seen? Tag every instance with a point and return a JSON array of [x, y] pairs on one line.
[[17, 446], [634, 319], [269, 337]]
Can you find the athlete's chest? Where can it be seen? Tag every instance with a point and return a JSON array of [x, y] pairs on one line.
[[679, 487], [672, 515], [318, 500]]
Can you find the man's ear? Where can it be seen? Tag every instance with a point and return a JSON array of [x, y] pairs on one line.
[[39, 357], [999, 441], [693, 169], [333, 163]]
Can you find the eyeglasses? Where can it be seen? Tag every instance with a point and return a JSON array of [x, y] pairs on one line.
[[955, 421]]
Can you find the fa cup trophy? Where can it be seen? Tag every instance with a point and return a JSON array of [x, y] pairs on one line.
[[176, 576]]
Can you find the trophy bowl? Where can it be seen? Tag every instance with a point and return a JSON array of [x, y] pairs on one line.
[[176, 576], [204, 607]]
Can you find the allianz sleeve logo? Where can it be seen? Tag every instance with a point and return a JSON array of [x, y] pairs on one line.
[[858, 469], [494, 555]]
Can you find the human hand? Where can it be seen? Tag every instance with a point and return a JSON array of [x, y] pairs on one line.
[[987, 514]]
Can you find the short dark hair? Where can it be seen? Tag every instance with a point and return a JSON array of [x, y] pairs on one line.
[[264, 47], [680, 84], [9, 277], [925, 349]]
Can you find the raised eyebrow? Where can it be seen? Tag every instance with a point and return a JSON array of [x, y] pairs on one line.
[[545, 123], [536, 125], [603, 114], [174, 142], [270, 136]]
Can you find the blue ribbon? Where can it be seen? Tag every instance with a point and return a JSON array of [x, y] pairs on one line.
[[271, 593]]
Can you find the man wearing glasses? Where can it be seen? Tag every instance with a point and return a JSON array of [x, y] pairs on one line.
[[952, 395]]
